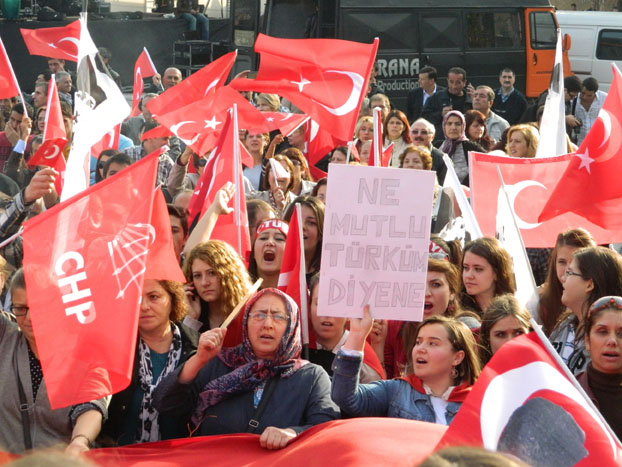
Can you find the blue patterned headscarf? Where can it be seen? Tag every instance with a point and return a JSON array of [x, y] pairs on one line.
[[248, 372]]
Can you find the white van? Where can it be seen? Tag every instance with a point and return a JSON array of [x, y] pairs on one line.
[[596, 41]]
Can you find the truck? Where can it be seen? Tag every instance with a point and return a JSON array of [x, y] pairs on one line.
[[481, 36]]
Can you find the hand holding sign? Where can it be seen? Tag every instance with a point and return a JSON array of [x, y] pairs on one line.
[[359, 330]]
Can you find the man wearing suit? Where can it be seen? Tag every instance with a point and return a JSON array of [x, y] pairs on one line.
[[418, 97]]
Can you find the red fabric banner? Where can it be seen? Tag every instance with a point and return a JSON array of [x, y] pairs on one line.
[[358, 441], [597, 165], [528, 182], [84, 287], [143, 68], [325, 78], [8, 83], [54, 42], [524, 404]]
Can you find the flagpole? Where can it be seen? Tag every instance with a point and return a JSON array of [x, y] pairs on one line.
[[377, 138], [19, 90], [463, 203], [532, 282], [350, 144], [302, 280], [236, 168]]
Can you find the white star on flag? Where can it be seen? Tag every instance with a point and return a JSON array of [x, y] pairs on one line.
[[270, 119], [301, 84], [586, 160], [51, 44], [212, 123]]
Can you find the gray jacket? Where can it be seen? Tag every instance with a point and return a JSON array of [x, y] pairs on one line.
[[47, 426]]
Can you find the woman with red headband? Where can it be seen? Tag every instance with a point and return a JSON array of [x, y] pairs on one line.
[[267, 253]]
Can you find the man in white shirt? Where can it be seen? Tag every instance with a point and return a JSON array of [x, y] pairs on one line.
[[417, 97], [589, 103]]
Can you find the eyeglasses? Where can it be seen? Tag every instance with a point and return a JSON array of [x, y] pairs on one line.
[[419, 132], [572, 273], [262, 316], [19, 310]]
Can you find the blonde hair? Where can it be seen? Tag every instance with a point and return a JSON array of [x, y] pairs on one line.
[[531, 135], [228, 266], [359, 124], [271, 99]]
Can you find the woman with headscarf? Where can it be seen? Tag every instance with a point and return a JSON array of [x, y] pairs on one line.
[[457, 145], [260, 386]]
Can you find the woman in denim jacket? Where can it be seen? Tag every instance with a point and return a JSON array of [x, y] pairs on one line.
[[445, 364]]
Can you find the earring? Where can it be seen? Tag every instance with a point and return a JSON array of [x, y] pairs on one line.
[[454, 372]]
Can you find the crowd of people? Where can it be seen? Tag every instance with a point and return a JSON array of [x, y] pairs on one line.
[[191, 375]]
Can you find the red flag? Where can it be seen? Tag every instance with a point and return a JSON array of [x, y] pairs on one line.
[[54, 42], [144, 68], [292, 279], [50, 153], [318, 142], [195, 87], [224, 166], [325, 78], [356, 441], [199, 124], [284, 122], [84, 288], [596, 164], [109, 141], [379, 157], [528, 182], [9, 86], [162, 263], [524, 403]]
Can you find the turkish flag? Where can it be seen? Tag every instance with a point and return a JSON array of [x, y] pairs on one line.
[[144, 68], [9, 86], [596, 164], [54, 42], [385, 158], [318, 142], [50, 153], [84, 287], [292, 279], [194, 88], [199, 124], [523, 403], [109, 141], [284, 122], [162, 263], [325, 78], [222, 166], [528, 181]]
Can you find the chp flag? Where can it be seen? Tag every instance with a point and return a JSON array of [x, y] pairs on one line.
[[84, 287]]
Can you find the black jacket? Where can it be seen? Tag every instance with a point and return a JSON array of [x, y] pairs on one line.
[[112, 430]]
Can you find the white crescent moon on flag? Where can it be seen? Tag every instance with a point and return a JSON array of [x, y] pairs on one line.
[[612, 139], [56, 151], [175, 129], [352, 102], [74, 41], [513, 192], [211, 85], [508, 391], [314, 129]]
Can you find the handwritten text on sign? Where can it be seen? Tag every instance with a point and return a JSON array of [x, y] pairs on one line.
[[376, 236]]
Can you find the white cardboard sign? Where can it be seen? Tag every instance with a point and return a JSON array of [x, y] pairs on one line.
[[376, 239]]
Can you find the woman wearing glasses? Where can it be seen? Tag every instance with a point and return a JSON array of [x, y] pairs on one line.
[[261, 386], [593, 273], [23, 385]]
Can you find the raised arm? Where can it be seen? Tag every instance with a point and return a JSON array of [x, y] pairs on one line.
[[203, 230]]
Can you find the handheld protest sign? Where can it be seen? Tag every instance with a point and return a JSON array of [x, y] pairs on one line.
[[376, 238], [239, 306]]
